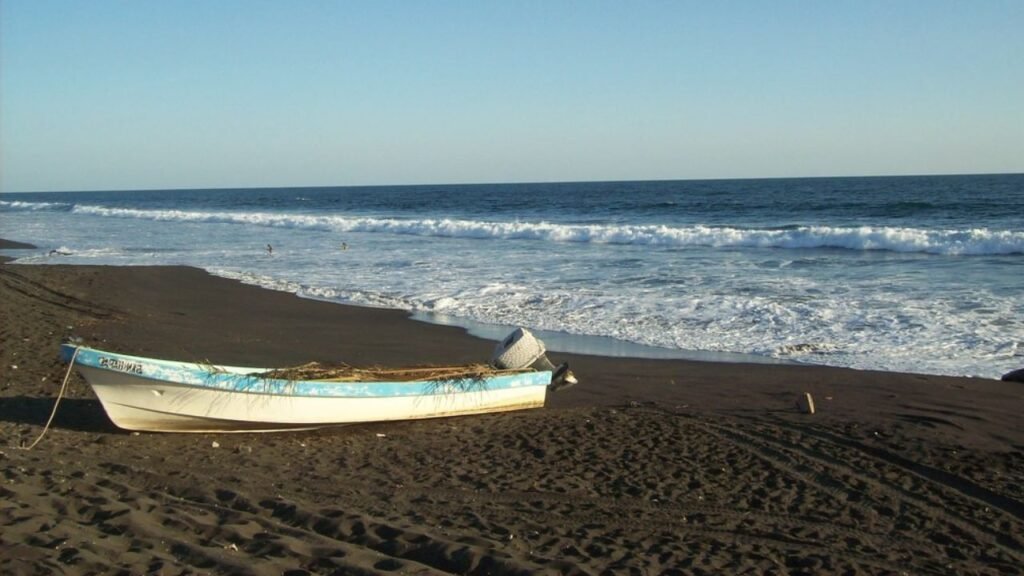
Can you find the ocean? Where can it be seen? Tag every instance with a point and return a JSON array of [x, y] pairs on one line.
[[912, 274]]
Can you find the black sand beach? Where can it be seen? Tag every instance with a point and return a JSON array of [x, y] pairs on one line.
[[645, 467]]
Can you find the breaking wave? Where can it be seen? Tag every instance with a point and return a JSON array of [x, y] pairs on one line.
[[967, 242], [12, 206]]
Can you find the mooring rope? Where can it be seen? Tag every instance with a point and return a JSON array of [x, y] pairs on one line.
[[63, 387]]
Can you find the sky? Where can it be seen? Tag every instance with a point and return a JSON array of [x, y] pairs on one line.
[[144, 94]]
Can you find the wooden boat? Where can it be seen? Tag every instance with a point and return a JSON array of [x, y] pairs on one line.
[[168, 396]]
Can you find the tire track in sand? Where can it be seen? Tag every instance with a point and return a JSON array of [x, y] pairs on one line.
[[896, 489]]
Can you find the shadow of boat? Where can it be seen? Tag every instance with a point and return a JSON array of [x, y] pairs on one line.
[[77, 414]]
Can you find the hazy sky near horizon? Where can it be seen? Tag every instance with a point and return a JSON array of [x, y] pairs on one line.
[[189, 94]]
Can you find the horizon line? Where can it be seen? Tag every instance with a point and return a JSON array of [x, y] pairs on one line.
[[511, 183]]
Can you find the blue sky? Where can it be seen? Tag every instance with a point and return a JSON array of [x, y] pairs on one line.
[[184, 94]]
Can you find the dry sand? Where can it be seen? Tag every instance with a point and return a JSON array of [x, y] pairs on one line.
[[645, 467]]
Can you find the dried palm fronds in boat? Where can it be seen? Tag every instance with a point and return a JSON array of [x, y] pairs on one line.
[[345, 373]]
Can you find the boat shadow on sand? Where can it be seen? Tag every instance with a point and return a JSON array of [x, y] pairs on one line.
[[77, 414]]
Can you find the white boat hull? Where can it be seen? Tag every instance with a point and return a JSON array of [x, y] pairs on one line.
[[159, 395]]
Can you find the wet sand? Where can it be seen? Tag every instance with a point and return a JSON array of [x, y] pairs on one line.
[[646, 466]]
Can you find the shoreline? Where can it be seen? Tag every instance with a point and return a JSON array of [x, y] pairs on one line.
[[554, 341], [648, 465], [605, 346], [559, 342], [805, 353], [13, 245]]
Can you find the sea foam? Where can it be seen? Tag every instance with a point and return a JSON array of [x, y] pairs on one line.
[[17, 205], [965, 242]]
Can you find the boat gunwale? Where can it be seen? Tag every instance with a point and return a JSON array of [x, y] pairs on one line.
[[247, 380]]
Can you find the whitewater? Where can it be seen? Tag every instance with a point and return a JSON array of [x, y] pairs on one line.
[[914, 274]]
